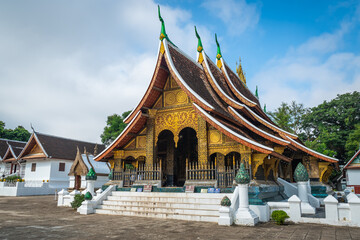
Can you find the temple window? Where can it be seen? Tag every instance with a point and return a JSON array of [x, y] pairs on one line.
[[61, 167], [33, 167]]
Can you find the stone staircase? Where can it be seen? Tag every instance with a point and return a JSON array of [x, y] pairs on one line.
[[183, 206]]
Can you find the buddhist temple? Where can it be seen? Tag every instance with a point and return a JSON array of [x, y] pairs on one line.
[[197, 122]]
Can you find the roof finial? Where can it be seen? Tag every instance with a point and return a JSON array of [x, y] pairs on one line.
[[218, 55], [264, 108], [256, 92], [240, 72], [32, 127], [163, 32], [200, 46], [95, 149]]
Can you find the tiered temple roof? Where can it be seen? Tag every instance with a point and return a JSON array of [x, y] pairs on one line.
[[219, 96], [10, 149]]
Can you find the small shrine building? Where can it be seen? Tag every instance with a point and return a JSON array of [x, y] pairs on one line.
[[196, 123]]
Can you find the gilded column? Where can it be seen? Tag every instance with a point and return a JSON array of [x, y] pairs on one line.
[[150, 129], [202, 141]]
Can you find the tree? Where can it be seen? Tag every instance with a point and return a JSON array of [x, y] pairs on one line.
[[289, 117], [331, 123], [19, 133], [114, 126], [353, 142]]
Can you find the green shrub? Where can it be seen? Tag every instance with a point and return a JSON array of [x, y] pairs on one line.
[[279, 216], [78, 199], [12, 178]]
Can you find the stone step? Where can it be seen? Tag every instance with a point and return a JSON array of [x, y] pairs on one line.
[[172, 195], [164, 210], [166, 199], [129, 203], [187, 217]]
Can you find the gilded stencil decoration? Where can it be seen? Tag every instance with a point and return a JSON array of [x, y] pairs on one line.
[[175, 97], [215, 137], [175, 121]]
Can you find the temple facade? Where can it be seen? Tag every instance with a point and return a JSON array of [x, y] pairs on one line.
[[197, 122]]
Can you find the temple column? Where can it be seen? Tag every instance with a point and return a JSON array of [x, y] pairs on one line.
[[246, 158], [202, 141], [150, 138]]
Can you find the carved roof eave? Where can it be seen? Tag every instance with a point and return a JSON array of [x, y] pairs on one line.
[[32, 138], [257, 130], [270, 125], [9, 156], [232, 87], [352, 159], [120, 139], [180, 81], [149, 90], [312, 152], [238, 94], [215, 85]]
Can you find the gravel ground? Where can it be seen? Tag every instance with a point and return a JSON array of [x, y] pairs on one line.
[[37, 217]]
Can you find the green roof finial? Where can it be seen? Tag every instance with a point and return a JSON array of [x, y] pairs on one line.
[[265, 108], [199, 47], [163, 32], [218, 55], [91, 175], [257, 92]]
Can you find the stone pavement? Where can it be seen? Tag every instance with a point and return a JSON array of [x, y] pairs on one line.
[[37, 217]]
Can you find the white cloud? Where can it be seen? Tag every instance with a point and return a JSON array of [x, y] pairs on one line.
[[311, 73], [238, 16], [65, 68]]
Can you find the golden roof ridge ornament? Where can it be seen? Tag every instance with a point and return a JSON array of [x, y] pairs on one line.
[[240, 72], [199, 47], [218, 55]]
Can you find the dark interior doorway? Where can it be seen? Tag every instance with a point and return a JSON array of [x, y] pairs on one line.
[[173, 158], [187, 149]]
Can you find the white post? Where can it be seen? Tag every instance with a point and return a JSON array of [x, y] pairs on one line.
[[354, 204], [331, 209], [224, 216], [244, 215], [61, 194], [86, 207], [243, 196], [303, 191], [295, 208], [90, 187]]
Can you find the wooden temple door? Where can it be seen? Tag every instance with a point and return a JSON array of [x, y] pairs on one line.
[[77, 182]]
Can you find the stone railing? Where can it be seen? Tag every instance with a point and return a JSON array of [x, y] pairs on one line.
[[341, 214]]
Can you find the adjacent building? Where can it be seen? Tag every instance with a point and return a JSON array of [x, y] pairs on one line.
[[352, 171]]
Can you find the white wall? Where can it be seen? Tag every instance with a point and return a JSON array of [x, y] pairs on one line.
[[353, 176], [42, 171], [60, 179], [47, 169]]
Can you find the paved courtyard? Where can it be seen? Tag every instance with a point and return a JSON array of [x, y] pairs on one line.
[[38, 218]]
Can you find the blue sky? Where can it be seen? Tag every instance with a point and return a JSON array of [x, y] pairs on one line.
[[66, 65]]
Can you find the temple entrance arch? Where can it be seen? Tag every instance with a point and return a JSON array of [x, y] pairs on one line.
[[173, 157], [165, 151], [187, 149]]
